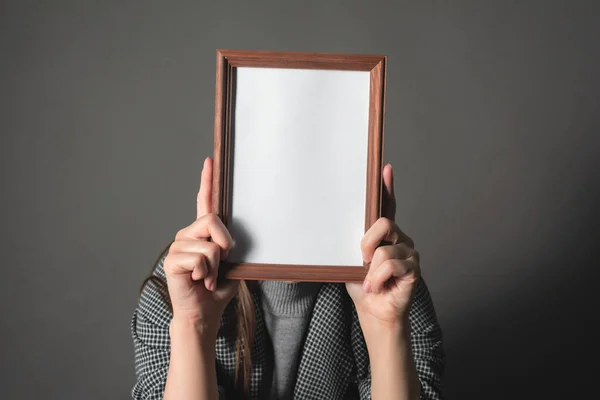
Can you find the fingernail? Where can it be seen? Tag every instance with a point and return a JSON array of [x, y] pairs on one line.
[[213, 286], [367, 286]]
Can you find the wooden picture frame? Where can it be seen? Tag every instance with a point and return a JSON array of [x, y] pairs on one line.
[[273, 74]]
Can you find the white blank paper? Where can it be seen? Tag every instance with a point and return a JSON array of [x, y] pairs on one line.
[[299, 166]]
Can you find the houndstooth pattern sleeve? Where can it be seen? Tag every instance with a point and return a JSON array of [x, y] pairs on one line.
[[151, 340], [426, 342], [361, 358]]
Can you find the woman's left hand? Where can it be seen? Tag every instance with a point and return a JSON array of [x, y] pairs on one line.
[[385, 296]]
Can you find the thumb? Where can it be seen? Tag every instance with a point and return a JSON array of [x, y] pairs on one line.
[[389, 197], [204, 199]]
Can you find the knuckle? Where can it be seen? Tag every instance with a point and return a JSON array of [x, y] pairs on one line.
[[168, 264], [386, 222], [212, 218], [228, 245], [387, 268], [416, 256], [381, 253], [179, 234], [175, 246], [396, 236], [212, 250], [406, 249], [389, 264]]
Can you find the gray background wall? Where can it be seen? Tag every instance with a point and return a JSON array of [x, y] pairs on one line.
[[492, 126]]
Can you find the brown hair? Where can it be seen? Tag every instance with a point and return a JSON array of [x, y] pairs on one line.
[[246, 324]]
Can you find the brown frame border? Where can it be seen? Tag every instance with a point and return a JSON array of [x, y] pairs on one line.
[[227, 61]]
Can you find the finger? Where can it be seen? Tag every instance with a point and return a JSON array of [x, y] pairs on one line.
[[227, 289], [204, 199], [400, 251], [213, 256], [186, 263], [201, 270], [210, 250], [390, 269], [389, 197], [382, 229], [208, 226]]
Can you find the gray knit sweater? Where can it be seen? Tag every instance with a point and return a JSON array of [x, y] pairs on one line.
[[287, 308]]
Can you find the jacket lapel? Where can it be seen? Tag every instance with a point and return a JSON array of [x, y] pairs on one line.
[[326, 362], [225, 348], [259, 353]]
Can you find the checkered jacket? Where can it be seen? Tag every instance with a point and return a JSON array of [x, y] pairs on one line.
[[334, 363]]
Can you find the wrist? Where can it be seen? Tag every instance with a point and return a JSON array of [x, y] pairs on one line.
[[386, 343], [378, 331], [193, 328]]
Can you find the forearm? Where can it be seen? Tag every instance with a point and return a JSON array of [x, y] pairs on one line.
[[393, 371], [192, 374]]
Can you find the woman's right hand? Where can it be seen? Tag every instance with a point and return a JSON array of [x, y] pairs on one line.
[[192, 264]]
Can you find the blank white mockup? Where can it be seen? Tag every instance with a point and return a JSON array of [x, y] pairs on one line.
[[299, 166]]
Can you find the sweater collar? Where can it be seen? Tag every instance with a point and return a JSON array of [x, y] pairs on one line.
[[283, 298]]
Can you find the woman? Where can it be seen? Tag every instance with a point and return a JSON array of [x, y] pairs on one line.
[[197, 337]]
